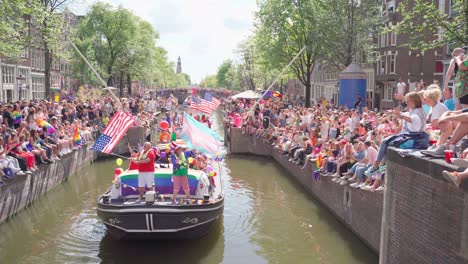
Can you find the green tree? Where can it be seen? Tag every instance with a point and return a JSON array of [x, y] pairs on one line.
[[284, 27], [248, 67], [224, 74], [351, 26], [105, 35], [187, 78], [210, 81], [136, 59], [47, 20], [13, 27], [427, 28]]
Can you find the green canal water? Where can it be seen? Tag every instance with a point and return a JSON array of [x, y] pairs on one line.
[[268, 218]]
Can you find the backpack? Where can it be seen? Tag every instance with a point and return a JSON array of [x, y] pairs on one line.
[[412, 140]]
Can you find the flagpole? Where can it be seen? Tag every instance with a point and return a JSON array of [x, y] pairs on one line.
[[282, 72], [220, 178], [95, 73], [117, 155]]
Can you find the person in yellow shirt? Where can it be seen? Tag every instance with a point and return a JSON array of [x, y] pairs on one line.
[[105, 120]]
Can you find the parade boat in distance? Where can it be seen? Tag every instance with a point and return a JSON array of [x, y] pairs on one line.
[[157, 217]]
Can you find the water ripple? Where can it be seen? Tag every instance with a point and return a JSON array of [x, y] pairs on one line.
[[82, 240]]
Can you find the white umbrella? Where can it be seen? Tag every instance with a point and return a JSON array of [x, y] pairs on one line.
[[247, 95]]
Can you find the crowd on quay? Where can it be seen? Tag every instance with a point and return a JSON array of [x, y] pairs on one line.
[[350, 144], [39, 132]]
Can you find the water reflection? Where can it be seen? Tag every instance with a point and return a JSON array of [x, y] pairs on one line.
[[267, 219], [287, 225], [208, 249]]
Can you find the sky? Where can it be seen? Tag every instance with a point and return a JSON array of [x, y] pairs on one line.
[[202, 32]]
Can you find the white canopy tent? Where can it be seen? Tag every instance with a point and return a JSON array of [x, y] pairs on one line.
[[247, 95]]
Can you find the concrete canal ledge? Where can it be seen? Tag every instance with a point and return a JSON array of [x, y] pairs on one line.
[[21, 191], [422, 219]]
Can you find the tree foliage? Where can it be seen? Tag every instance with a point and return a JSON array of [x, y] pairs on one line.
[[121, 46], [13, 27], [209, 81], [227, 75], [351, 26], [284, 27], [47, 20], [428, 28]]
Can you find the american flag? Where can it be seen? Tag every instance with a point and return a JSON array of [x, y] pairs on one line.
[[196, 104], [206, 105], [113, 132]]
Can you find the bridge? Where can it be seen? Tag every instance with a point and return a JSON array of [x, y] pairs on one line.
[[182, 93]]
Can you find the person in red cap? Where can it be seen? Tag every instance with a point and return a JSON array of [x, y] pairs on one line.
[[179, 171], [145, 162]]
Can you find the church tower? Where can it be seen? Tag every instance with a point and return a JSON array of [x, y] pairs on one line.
[[179, 66]]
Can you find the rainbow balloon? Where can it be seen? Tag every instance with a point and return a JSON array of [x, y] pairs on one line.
[[77, 137], [42, 123], [17, 117]]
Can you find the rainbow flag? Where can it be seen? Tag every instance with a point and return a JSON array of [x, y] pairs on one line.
[[277, 94], [42, 123], [17, 117], [77, 137]]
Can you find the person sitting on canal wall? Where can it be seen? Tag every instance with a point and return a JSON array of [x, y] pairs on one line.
[[145, 162], [413, 129], [179, 171], [456, 177]]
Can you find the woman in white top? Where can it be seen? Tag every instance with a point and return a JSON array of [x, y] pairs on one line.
[[413, 122], [432, 98]]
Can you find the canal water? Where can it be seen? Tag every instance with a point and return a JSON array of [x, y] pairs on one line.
[[268, 218]]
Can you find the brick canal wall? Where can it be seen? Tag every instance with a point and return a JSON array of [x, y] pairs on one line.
[[359, 210], [420, 219], [425, 219], [21, 191]]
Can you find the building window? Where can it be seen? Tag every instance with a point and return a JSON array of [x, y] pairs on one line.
[[383, 40], [38, 90], [54, 81], [25, 53], [439, 67], [8, 75], [393, 39], [392, 63], [454, 9], [391, 6], [388, 92], [381, 65]]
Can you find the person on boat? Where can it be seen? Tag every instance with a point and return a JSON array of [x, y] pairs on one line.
[[179, 171], [164, 136], [145, 162], [133, 156]]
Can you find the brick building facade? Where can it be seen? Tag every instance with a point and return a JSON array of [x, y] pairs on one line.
[[24, 78]]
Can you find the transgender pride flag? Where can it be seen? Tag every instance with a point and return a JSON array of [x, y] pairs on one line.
[[199, 136]]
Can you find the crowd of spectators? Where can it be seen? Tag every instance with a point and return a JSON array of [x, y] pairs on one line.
[[38, 132], [350, 144]]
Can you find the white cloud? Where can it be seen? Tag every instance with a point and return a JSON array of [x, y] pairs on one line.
[[202, 32]]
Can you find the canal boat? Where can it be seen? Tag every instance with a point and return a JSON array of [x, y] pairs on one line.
[[157, 217]]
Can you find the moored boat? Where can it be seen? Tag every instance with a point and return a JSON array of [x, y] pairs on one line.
[[158, 217]]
